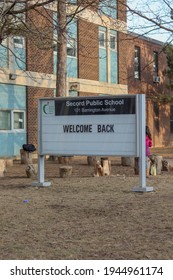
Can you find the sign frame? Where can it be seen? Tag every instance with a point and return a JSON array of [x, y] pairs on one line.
[[119, 111]]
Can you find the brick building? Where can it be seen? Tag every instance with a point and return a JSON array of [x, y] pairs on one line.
[[100, 61], [93, 63], [147, 63]]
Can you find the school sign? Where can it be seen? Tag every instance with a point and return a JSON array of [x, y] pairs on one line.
[[102, 126], [89, 126]]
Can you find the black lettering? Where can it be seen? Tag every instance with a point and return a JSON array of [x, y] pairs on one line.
[[83, 128], [77, 129], [98, 128], [67, 271], [12, 272], [108, 128], [111, 128], [66, 128]]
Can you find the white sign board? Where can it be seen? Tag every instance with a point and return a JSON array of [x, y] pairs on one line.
[[89, 126], [111, 125]]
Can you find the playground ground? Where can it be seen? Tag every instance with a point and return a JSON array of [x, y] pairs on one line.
[[86, 217]]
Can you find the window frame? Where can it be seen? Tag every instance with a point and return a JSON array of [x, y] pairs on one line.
[[104, 39], [19, 45], [23, 120], [155, 63], [137, 63], [12, 120], [7, 111], [115, 42], [73, 48], [156, 112]]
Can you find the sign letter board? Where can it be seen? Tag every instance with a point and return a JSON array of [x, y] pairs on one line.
[[100, 126]]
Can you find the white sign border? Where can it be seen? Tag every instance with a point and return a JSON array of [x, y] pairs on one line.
[[141, 148]]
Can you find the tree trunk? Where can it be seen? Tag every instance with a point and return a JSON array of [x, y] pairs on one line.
[[65, 171], [127, 161], [61, 49], [102, 167]]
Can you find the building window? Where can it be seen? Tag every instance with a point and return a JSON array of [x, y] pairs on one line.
[[113, 58], [171, 118], [71, 47], [18, 120], [19, 42], [137, 63], [5, 120], [113, 42], [102, 39], [103, 59], [12, 120], [156, 116], [72, 2], [155, 63]]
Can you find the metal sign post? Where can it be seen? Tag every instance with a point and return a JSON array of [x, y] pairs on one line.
[[142, 145], [41, 158]]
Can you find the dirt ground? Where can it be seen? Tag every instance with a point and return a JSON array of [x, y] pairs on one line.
[[85, 217]]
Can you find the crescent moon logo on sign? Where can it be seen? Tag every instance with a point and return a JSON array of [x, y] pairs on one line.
[[44, 108]]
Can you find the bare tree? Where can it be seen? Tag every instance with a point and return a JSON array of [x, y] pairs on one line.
[[157, 15], [151, 17], [61, 49], [16, 20], [12, 16]]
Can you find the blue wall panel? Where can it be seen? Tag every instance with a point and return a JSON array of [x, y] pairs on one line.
[[72, 62], [12, 97], [3, 57], [11, 143], [20, 59], [114, 68], [72, 69], [103, 76]]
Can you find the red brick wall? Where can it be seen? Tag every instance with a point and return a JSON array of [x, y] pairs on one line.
[[41, 60], [38, 60], [123, 45], [33, 94], [38, 46], [121, 7], [88, 51], [146, 86]]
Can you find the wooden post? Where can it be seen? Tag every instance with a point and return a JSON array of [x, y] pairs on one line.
[[127, 161], [31, 170], [102, 167], [106, 164], [65, 171], [136, 166], [91, 160], [64, 159], [3, 166], [26, 157]]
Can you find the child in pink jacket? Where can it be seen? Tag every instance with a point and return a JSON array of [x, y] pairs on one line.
[[148, 145]]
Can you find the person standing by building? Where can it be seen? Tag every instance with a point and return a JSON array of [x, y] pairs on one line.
[[148, 146]]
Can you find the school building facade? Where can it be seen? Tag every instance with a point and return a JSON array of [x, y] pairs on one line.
[[100, 60], [147, 63]]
